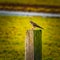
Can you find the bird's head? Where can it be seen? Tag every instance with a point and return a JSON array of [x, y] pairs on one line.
[[31, 22]]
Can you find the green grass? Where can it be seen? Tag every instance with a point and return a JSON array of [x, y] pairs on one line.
[[13, 32]]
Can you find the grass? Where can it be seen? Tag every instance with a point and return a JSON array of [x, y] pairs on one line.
[[13, 32]]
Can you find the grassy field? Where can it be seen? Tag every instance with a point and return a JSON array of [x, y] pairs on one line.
[[13, 32], [38, 2]]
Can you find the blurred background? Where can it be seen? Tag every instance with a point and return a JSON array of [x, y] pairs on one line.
[[32, 2], [13, 29], [13, 33]]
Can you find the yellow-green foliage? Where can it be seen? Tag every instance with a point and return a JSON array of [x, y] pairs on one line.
[[38, 2], [13, 31]]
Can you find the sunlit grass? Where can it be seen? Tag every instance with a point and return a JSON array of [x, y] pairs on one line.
[[13, 32]]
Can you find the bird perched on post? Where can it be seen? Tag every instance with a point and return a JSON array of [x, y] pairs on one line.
[[35, 25]]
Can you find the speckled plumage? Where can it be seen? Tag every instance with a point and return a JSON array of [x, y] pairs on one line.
[[35, 25]]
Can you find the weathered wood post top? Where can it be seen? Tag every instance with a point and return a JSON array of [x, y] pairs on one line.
[[33, 47]]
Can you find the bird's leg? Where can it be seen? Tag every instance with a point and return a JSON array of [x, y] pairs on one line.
[[32, 28]]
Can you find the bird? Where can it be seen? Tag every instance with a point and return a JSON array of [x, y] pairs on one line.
[[35, 25]]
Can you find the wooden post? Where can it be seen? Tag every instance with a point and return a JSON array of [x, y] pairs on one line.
[[37, 45], [29, 51], [33, 49]]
